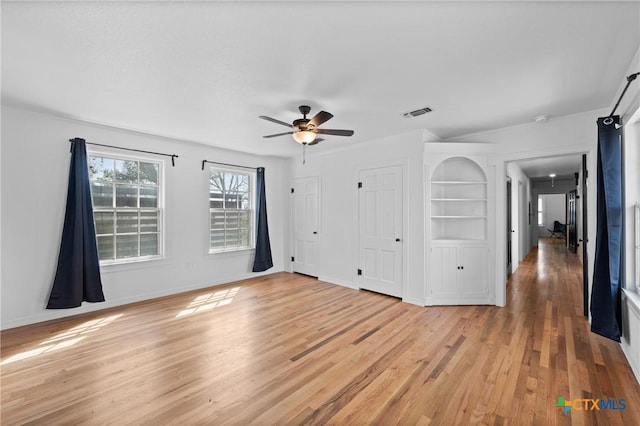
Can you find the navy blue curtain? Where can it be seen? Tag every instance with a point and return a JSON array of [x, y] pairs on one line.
[[606, 290], [263, 260], [78, 274]]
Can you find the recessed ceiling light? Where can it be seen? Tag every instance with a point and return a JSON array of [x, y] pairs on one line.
[[552, 175], [541, 118]]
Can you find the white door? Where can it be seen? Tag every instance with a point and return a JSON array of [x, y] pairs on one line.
[[305, 225], [380, 245]]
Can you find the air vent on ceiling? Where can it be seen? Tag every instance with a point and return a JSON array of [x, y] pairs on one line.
[[417, 112]]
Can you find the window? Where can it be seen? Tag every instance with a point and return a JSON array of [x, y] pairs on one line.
[[540, 212], [127, 208], [230, 209]]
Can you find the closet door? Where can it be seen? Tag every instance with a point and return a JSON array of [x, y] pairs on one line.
[[306, 195], [380, 241]]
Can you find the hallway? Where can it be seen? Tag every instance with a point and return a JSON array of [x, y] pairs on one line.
[[564, 356]]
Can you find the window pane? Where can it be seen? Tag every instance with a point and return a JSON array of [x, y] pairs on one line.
[[127, 171], [126, 246], [100, 169], [148, 196], [148, 244], [126, 222], [231, 220], [215, 201], [244, 201], [148, 221], [148, 173], [105, 248], [217, 219], [102, 194], [104, 222], [217, 238], [126, 196], [232, 237]]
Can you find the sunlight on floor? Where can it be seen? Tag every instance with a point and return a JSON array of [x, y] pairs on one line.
[[209, 301], [64, 339]]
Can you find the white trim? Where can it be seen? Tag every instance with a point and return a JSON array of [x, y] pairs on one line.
[[337, 281]]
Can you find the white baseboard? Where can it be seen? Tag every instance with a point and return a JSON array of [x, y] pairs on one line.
[[336, 281], [413, 301]]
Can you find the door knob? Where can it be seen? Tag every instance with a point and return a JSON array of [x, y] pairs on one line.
[[315, 232], [397, 240]]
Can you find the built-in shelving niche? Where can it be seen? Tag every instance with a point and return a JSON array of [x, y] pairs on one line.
[[458, 201]]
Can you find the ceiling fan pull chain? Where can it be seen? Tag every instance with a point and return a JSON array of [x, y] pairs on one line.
[[304, 151]]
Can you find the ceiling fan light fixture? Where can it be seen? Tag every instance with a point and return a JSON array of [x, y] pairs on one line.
[[304, 136]]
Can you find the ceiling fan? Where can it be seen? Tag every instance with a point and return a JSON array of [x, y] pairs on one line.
[[304, 130]]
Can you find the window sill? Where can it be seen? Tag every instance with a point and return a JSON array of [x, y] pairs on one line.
[[231, 252], [130, 264], [633, 299]]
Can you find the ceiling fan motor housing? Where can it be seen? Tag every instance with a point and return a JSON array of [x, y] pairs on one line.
[[301, 123]]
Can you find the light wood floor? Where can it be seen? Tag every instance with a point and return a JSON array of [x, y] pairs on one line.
[[288, 349]]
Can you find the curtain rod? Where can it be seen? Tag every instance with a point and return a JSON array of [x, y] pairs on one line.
[[173, 156], [630, 78], [227, 164]]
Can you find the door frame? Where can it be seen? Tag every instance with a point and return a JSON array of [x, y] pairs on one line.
[[509, 229], [403, 164], [500, 162]]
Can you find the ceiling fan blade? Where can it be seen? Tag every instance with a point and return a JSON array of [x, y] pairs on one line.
[[335, 132], [278, 134], [315, 141], [273, 120], [320, 118]]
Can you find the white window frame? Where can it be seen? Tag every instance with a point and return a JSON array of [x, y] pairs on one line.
[[252, 208], [160, 207]]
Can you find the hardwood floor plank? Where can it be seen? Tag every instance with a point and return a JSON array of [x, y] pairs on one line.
[[289, 349]]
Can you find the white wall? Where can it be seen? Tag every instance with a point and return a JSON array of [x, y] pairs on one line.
[[338, 172], [520, 199], [35, 167]]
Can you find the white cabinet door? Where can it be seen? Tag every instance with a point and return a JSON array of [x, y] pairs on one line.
[[380, 217], [458, 275], [444, 272], [473, 272], [305, 225]]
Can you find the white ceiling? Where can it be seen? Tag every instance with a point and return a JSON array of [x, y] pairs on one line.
[[542, 167], [204, 71]]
